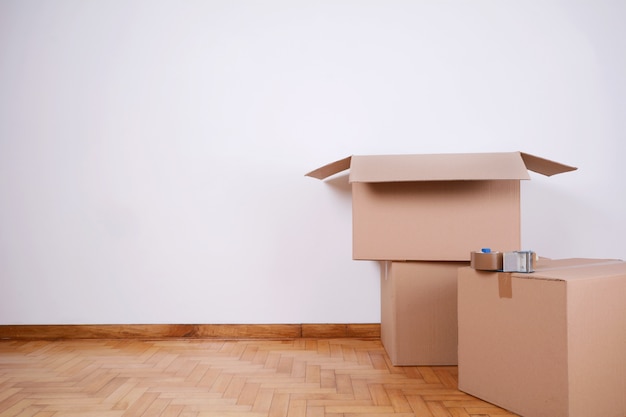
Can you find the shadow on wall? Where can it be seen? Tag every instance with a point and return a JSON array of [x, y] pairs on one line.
[[340, 184]]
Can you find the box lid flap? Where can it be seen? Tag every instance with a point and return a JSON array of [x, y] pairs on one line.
[[545, 166], [330, 169], [441, 167]]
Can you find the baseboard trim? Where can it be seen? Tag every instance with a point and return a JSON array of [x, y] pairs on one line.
[[198, 331]]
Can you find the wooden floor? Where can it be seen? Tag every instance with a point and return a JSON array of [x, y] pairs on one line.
[[202, 378]]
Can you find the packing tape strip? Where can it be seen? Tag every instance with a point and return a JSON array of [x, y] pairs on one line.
[[505, 286], [486, 261]]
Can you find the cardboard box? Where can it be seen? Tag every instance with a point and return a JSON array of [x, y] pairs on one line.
[[546, 344], [436, 207], [419, 312]]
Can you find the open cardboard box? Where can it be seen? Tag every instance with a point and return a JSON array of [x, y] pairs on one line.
[[546, 344], [436, 207]]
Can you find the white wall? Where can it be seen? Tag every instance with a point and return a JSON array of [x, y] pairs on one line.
[[152, 153]]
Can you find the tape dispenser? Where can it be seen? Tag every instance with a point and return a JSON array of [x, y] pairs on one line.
[[514, 261]]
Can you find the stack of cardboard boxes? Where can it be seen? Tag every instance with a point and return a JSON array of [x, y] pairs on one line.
[[421, 216]]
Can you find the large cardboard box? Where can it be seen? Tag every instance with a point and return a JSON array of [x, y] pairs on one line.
[[547, 344], [419, 312], [436, 207]]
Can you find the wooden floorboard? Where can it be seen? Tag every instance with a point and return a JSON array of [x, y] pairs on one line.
[[301, 377]]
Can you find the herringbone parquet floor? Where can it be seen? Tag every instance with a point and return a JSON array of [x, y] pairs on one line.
[[203, 378]]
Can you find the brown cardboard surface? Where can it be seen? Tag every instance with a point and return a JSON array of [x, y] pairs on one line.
[[419, 312], [331, 169], [555, 348], [436, 207], [435, 221], [437, 167], [544, 166], [441, 167]]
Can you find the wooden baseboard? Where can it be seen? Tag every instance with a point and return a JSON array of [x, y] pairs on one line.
[[199, 331]]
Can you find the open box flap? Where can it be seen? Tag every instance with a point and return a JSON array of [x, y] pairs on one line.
[[330, 169], [441, 167], [544, 166]]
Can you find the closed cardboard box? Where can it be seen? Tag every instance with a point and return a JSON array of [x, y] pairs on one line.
[[419, 312], [436, 207], [546, 344]]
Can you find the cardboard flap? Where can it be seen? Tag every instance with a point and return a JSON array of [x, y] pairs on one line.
[[438, 167], [441, 167], [544, 166], [330, 169]]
